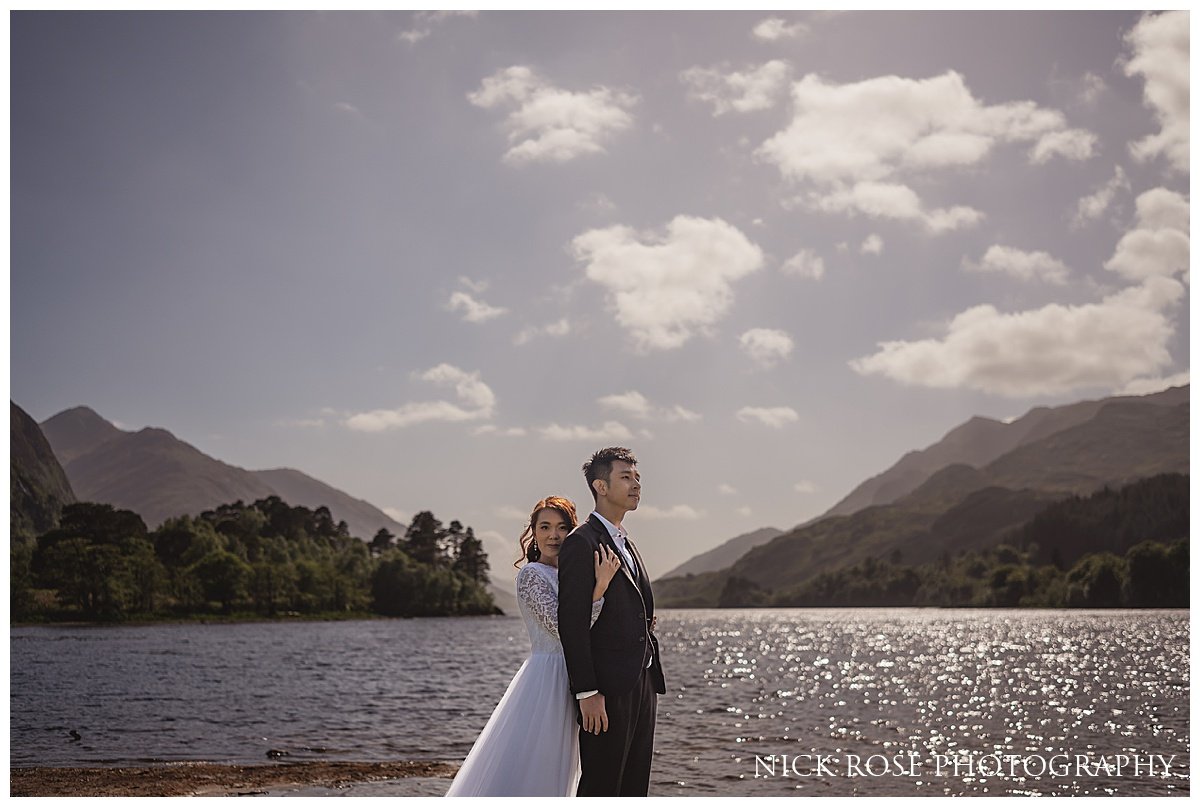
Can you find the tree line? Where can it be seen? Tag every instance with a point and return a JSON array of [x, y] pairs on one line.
[[263, 559], [1125, 548]]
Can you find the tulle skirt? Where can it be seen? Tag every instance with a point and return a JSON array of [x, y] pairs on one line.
[[530, 745]]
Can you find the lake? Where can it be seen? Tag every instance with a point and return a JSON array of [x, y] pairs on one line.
[[766, 702]]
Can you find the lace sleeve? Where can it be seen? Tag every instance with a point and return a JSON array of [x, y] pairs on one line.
[[537, 593], [596, 606]]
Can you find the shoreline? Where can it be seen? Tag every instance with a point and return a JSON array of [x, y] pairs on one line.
[[212, 778]]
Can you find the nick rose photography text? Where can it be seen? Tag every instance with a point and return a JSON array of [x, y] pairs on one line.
[[962, 765]]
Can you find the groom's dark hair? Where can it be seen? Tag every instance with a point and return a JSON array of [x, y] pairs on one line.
[[600, 465]]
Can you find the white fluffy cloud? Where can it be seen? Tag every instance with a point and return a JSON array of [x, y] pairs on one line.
[[476, 401], [766, 347], [610, 430], [745, 90], [1034, 265], [726, 489], [399, 516], [1092, 206], [635, 404], [1071, 144], [488, 428], [560, 328], [1161, 44], [776, 416], [872, 245], [805, 263], [425, 21], [1051, 350], [804, 486], [1146, 386], [889, 200], [680, 512], [550, 124], [1159, 245], [773, 29], [871, 133], [667, 288], [473, 310]]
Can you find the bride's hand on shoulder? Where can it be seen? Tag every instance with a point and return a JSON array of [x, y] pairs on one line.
[[607, 563]]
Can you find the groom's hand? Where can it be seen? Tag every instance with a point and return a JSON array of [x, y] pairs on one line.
[[595, 719]]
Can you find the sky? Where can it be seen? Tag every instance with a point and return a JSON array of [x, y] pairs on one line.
[[437, 259]]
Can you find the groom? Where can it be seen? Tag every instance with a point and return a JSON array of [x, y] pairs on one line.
[[614, 667]]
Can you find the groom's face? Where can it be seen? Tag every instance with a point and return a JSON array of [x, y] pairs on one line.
[[624, 487]]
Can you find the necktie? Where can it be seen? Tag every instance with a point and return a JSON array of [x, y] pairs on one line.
[[628, 556]]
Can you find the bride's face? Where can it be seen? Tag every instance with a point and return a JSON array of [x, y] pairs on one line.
[[550, 529]]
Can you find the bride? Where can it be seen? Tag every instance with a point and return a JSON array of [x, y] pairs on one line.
[[530, 745]]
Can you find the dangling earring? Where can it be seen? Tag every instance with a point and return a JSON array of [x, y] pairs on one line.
[[534, 553]]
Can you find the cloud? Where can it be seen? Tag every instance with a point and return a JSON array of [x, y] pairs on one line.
[[680, 512], [597, 203], [726, 489], [298, 423], [488, 428], [631, 403], [744, 512], [510, 513], [398, 516], [855, 141], [805, 263], [804, 486], [748, 90], [1071, 144], [473, 310], [636, 405], [1052, 350], [666, 288], [476, 401], [551, 124], [560, 328], [872, 245], [1161, 45], [766, 347], [885, 200], [425, 21], [772, 29], [611, 430], [1148, 386], [1020, 264], [1091, 87], [776, 417], [1160, 244], [1093, 205], [477, 286], [348, 108]]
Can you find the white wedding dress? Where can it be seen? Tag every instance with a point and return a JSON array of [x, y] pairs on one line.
[[530, 745]]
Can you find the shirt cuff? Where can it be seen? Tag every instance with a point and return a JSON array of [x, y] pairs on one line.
[[581, 695]]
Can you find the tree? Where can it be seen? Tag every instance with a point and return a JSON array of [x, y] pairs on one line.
[[222, 576], [382, 541], [1096, 581], [470, 559], [424, 538]]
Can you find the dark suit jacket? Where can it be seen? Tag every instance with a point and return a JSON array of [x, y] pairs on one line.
[[610, 655]]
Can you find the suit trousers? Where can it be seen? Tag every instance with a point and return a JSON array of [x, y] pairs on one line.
[[617, 762]]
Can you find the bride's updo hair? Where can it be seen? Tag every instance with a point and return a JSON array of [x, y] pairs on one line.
[[565, 507]]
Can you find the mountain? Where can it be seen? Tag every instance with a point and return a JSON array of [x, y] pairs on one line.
[[726, 553], [157, 475], [978, 442], [960, 507], [38, 486]]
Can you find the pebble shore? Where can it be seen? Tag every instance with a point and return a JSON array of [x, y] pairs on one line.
[[212, 779]]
